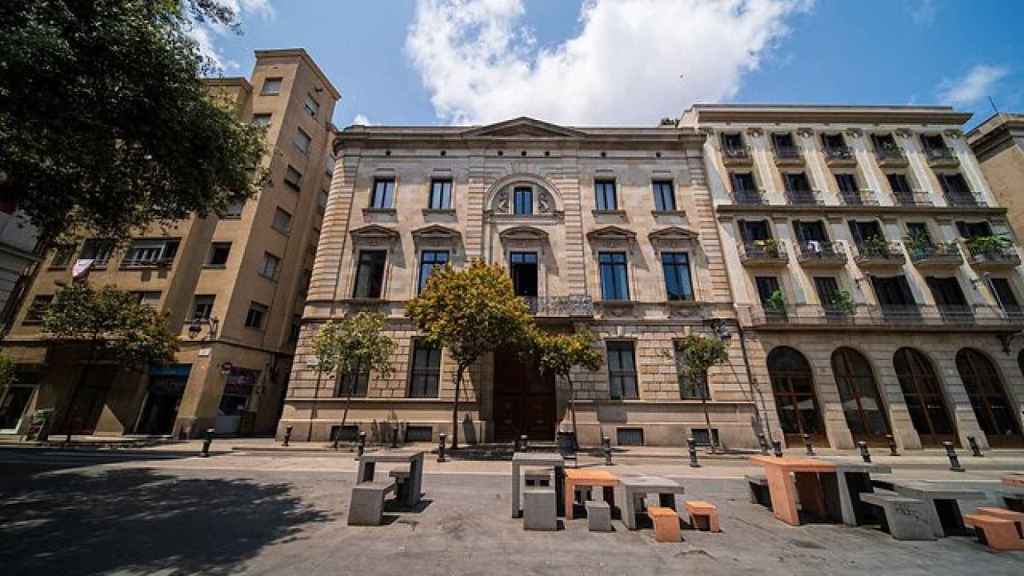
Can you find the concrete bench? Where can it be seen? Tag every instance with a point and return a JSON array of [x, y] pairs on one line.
[[703, 515], [997, 533], [902, 517], [540, 509], [666, 523], [401, 478], [537, 477], [367, 505], [599, 516], [759, 493], [1016, 517]]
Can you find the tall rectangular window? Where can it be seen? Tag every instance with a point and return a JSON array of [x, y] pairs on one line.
[[664, 196], [383, 196], [311, 105], [847, 183], [370, 274], [622, 371], [282, 221], [440, 194], [766, 287], [606, 198], [302, 141], [256, 316], [676, 266], [523, 266], [1005, 296], [202, 306], [293, 178], [425, 376], [429, 261], [149, 298], [522, 200], [271, 266], [614, 278], [271, 87], [356, 383]]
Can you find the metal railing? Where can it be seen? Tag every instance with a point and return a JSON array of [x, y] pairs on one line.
[[736, 152], [802, 197], [935, 250], [880, 251], [913, 198], [858, 197], [145, 263], [939, 154], [560, 306], [992, 254], [749, 197], [869, 315], [763, 250], [788, 152], [839, 153], [821, 250], [966, 199], [883, 154]]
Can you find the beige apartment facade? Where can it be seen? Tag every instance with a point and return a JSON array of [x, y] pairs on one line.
[[858, 246], [233, 286], [998, 143], [608, 228]]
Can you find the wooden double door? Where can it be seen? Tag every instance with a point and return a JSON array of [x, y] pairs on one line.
[[525, 401]]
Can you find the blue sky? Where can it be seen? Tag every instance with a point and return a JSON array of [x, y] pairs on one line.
[[620, 61]]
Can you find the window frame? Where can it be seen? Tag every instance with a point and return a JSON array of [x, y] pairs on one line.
[[262, 310], [685, 281], [605, 189], [619, 392], [37, 309], [270, 257], [277, 81], [358, 272], [386, 200], [422, 379], [293, 178], [165, 250], [262, 120], [658, 188], [421, 281], [214, 246], [528, 194], [445, 202], [208, 301], [287, 216], [313, 110], [613, 266], [302, 141]]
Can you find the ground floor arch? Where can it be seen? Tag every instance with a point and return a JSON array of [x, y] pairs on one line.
[[923, 395], [793, 391], [987, 393], [858, 393]]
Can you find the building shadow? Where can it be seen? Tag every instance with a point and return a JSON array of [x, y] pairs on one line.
[[142, 521]]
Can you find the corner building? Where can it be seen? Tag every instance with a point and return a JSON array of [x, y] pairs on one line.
[[610, 228], [858, 242]]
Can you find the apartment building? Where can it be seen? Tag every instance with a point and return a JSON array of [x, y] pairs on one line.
[[233, 285], [609, 228], [998, 143], [863, 252]]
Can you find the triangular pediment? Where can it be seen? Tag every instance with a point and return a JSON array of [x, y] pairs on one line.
[[436, 232], [374, 231], [611, 233], [673, 233], [523, 127]]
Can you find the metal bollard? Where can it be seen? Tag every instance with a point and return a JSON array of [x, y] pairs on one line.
[[287, 435], [206, 442], [524, 443], [808, 444], [394, 437], [441, 439], [337, 439], [975, 449], [864, 452], [362, 445], [954, 461], [892, 445], [762, 443], [777, 448], [606, 447], [691, 447]]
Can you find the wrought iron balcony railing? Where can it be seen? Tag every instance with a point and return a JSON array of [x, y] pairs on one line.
[[763, 252], [897, 316], [858, 197], [560, 306], [939, 154], [965, 199], [812, 252], [887, 156], [934, 253], [992, 256], [788, 153], [879, 254], [749, 197], [802, 197], [913, 198], [840, 153], [736, 153]]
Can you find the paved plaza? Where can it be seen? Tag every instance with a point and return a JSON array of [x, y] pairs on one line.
[[265, 513]]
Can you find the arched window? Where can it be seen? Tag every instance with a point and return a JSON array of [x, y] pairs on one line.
[[865, 413], [985, 389], [923, 395], [793, 388]]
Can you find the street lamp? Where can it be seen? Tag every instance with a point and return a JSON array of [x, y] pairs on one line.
[[195, 326]]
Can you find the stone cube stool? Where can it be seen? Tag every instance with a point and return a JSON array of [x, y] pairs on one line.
[[401, 477], [703, 515], [599, 516], [540, 509], [537, 477], [1017, 517], [759, 493], [366, 507], [903, 518], [666, 523], [996, 533]]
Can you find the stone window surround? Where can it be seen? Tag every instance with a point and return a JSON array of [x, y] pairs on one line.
[[690, 247], [626, 243], [371, 237], [511, 241]]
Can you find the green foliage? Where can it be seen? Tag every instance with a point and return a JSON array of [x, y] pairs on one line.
[[771, 247], [776, 302], [699, 353], [7, 375], [114, 322], [995, 244], [842, 301], [355, 343], [917, 241], [875, 246], [560, 353], [105, 122]]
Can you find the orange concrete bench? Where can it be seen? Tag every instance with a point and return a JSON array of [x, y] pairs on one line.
[[666, 524], [1016, 517], [996, 533], [703, 515]]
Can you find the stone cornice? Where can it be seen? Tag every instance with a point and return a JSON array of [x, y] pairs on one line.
[[796, 114], [728, 210]]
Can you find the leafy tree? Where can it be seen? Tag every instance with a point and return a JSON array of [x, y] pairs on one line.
[[355, 344], [105, 122], [696, 355], [112, 324], [561, 353], [470, 312]]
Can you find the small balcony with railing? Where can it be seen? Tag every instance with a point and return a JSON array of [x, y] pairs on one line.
[[927, 255], [858, 197], [896, 317], [890, 156], [770, 253], [840, 156], [940, 157], [788, 155], [576, 306], [991, 253], [877, 253], [803, 197], [749, 197], [821, 254], [964, 199], [737, 155], [911, 198]]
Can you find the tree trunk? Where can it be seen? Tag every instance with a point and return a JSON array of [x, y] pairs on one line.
[[455, 407], [705, 392], [74, 391], [316, 398], [572, 411]]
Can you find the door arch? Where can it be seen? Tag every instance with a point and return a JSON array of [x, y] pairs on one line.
[[923, 394], [795, 401], [992, 408], [858, 392]]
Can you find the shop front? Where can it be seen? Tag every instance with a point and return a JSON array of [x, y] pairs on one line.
[[235, 414], [163, 398]]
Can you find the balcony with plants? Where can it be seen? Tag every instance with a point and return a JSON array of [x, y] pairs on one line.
[[940, 157], [877, 252], [994, 252], [842, 313], [737, 155], [840, 155], [928, 255], [763, 253], [821, 254], [890, 155]]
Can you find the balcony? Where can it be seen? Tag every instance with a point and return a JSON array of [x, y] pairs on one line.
[[879, 254], [802, 197], [941, 157], [889, 157], [737, 156], [937, 256], [840, 156], [986, 253], [912, 198], [749, 197], [578, 306], [858, 197], [964, 199], [821, 254], [893, 317], [788, 156], [763, 253]]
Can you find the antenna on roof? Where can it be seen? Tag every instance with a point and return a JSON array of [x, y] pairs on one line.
[[992, 102]]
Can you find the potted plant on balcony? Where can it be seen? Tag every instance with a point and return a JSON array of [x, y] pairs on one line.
[[775, 305], [918, 243], [992, 247], [875, 246], [770, 247], [841, 302]]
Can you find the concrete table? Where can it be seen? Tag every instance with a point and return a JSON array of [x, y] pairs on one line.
[[789, 477], [368, 463], [1015, 480], [634, 486], [853, 478], [547, 459], [589, 478], [944, 512]]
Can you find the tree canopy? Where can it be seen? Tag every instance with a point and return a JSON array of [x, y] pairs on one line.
[[357, 342], [105, 122], [697, 355]]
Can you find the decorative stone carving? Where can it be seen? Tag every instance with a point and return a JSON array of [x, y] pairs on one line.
[[953, 133], [903, 133], [501, 202], [545, 204], [805, 132], [755, 131], [854, 132]]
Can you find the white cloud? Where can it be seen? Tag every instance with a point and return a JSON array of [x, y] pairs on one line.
[[972, 87], [361, 120], [481, 64], [205, 33], [923, 12]]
